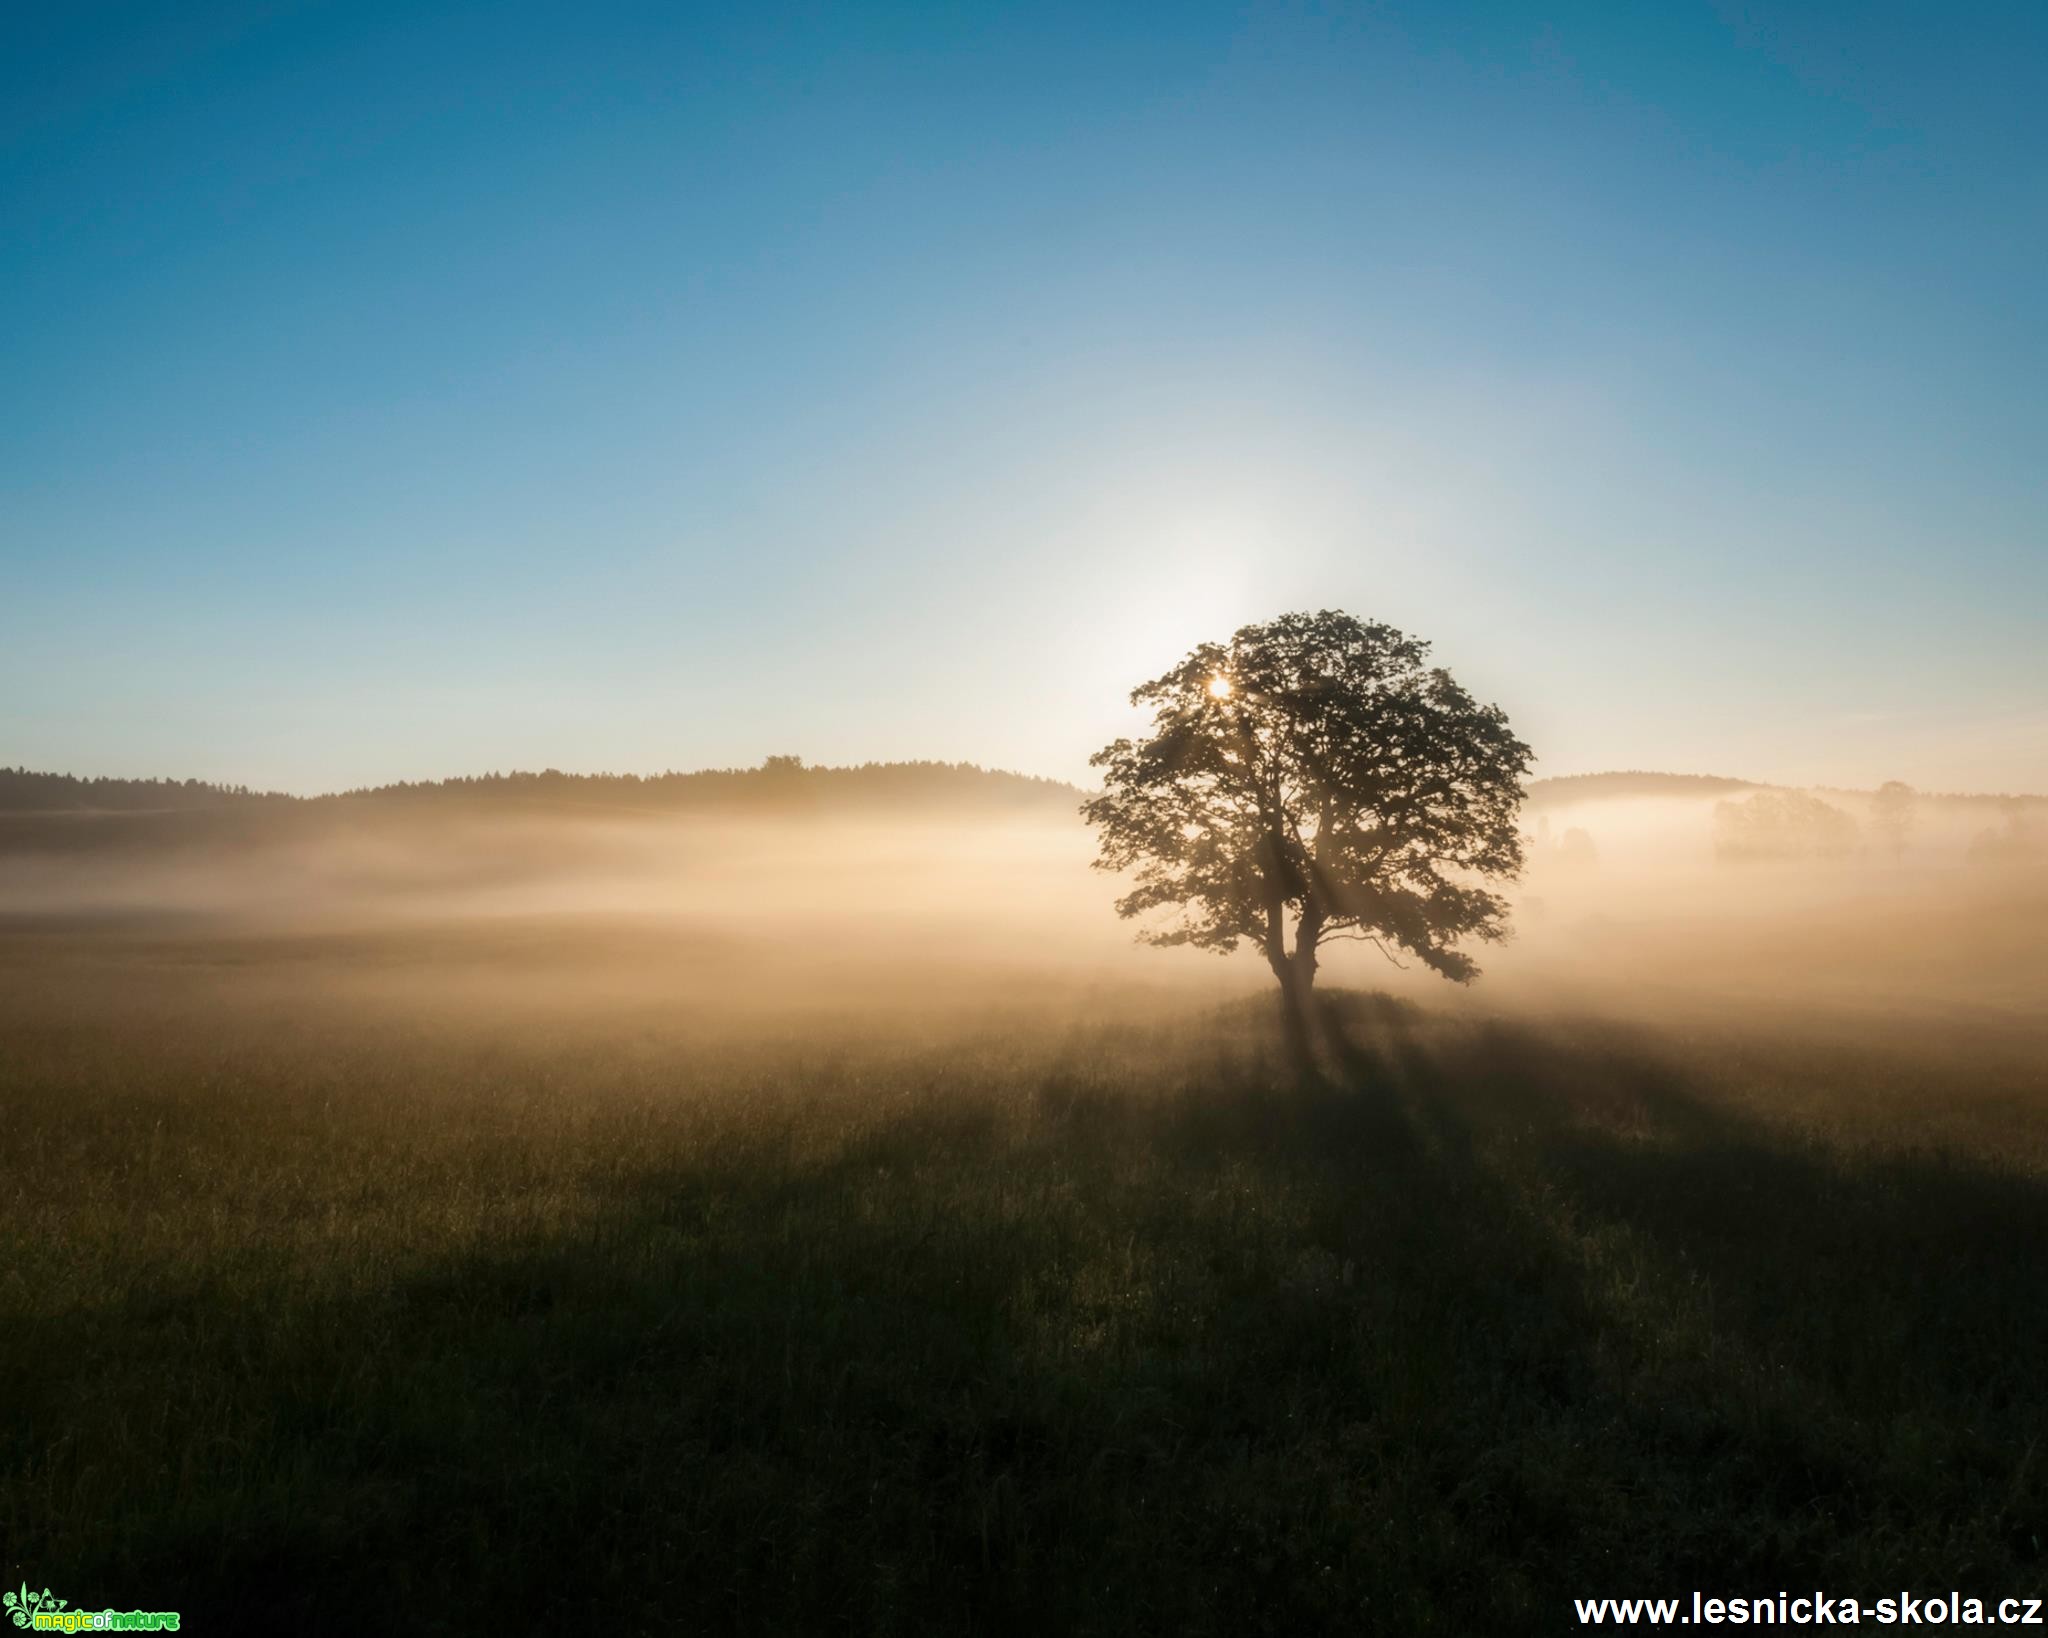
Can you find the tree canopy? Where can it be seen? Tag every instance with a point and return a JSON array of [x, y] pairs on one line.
[[1313, 779]]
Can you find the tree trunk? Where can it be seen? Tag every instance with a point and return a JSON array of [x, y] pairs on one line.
[[1297, 1011]]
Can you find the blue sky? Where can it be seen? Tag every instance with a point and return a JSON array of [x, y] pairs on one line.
[[397, 391]]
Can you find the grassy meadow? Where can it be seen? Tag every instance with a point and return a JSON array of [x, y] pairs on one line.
[[404, 1281]]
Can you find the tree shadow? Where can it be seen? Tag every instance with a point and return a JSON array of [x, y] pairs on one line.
[[1842, 1331]]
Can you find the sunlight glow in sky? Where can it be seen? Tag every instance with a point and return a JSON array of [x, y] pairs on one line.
[[401, 390]]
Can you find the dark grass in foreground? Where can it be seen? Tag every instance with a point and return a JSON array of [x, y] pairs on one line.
[[338, 1325]]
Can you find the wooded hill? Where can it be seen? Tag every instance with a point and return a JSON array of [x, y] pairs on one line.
[[781, 784]]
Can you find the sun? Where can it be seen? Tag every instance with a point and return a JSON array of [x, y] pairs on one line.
[[1219, 687]]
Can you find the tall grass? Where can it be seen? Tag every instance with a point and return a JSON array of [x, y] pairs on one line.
[[320, 1317]]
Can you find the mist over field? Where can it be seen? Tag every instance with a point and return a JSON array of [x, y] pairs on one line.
[[814, 890]]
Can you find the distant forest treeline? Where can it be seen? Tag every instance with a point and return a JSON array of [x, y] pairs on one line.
[[24, 792], [1632, 782], [781, 783]]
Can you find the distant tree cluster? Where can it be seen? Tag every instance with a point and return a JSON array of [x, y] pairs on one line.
[[1892, 814], [1574, 849], [2016, 841], [1782, 825]]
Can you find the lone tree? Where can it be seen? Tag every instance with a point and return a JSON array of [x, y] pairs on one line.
[[1891, 815], [1314, 777]]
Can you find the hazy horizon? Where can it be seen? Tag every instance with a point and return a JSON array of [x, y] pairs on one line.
[[1081, 784]]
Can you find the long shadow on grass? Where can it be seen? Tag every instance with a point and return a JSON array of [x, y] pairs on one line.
[[1493, 1319], [1836, 1354]]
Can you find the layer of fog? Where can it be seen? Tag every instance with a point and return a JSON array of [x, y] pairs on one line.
[[1629, 903]]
